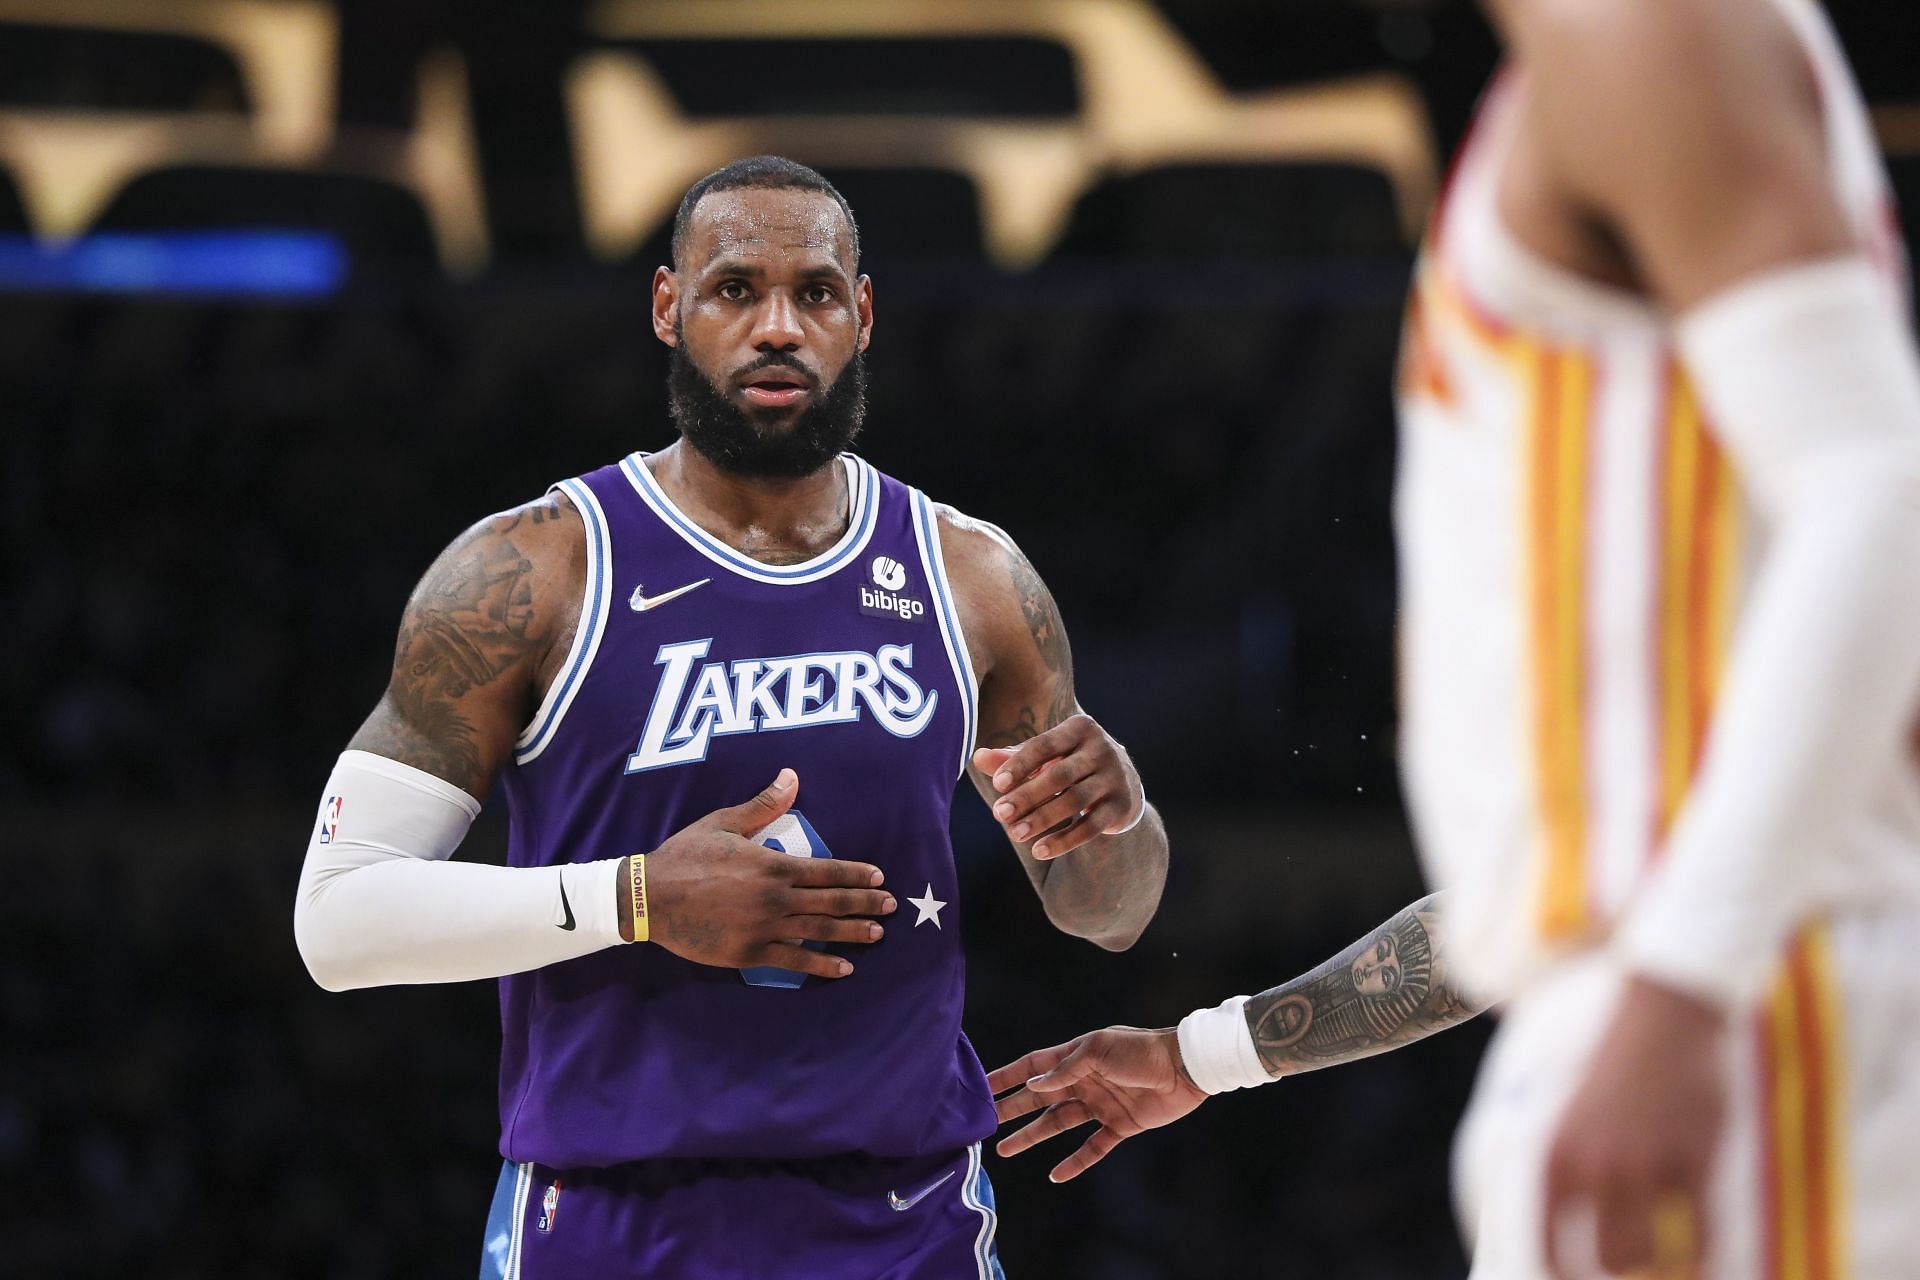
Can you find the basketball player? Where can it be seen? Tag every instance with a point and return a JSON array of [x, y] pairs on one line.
[[1659, 522], [776, 1083]]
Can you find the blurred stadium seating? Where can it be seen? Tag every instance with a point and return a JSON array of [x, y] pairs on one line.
[[228, 124], [1105, 88], [1139, 271]]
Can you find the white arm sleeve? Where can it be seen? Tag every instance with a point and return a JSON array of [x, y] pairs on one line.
[[380, 904], [1812, 383]]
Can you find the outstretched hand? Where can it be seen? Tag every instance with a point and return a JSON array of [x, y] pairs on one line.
[[1124, 1079]]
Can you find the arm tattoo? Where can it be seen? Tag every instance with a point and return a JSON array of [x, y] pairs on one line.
[[1105, 890], [470, 621], [1386, 990], [1049, 638]]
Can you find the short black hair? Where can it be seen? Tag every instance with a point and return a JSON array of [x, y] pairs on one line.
[[772, 173]]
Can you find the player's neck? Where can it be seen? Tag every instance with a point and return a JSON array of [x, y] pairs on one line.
[[768, 518]]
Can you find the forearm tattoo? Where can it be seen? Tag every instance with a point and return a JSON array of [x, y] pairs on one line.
[[1386, 990]]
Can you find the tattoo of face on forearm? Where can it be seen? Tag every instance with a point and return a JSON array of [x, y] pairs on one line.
[[1386, 990]]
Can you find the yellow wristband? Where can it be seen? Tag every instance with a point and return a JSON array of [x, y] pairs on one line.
[[637, 878]]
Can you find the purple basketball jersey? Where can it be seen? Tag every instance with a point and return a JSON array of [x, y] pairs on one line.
[[696, 675]]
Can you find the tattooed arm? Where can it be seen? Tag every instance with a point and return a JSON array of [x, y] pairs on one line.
[[1387, 990], [379, 900], [479, 639], [1066, 793]]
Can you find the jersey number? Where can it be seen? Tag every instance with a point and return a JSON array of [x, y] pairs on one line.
[[791, 834]]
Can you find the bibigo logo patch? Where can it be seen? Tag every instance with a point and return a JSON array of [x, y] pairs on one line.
[[882, 600]]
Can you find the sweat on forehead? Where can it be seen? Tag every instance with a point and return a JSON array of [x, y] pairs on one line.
[[766, 190], [766, 220]]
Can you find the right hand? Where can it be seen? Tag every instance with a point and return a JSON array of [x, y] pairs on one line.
[[715, 897], [1124, 1079]]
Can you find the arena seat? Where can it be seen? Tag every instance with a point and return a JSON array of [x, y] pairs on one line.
[[1259, 213], [283, 52], [247, 85], [965, 75], [378, 222], [79, 68], [13, 214], [1145, 100]]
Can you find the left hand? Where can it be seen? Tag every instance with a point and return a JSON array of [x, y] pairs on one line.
[[1125, 1079], [1634, 1153], [1063, 787]]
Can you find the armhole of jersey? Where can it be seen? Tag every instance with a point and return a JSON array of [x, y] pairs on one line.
[[586, 636], [927, 531]]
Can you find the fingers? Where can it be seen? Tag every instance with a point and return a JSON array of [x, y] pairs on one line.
[[1017, 809], [1091, 1152], [785, 955], [1075, 833], [1035, 751], [776, 799], [1024, 1069], [832, 929], [1057, 1119], [1076, 1066], [989, 759], [1021, 1102], [1625, 1229], [839, 902], [834, 873], [1595, 1223]]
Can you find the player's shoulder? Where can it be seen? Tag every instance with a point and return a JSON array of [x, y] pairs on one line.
[[985, 564], [546, 526], [1649, 41], [971, 538], [537, 548], [998, 589]]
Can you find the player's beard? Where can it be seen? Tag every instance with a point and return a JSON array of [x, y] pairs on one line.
[[734, 440]]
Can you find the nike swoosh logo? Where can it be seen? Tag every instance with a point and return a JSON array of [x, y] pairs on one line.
[[565, 905], [901, 1204], [641, 603]]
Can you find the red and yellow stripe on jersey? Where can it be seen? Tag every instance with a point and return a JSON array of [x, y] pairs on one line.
[[1697, 555], [1803, 1122], [1560, 388], [1699, 548]]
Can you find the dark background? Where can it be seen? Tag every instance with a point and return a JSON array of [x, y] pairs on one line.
[[214, 506]]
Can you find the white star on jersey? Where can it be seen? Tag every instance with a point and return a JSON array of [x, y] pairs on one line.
[[929, 908]]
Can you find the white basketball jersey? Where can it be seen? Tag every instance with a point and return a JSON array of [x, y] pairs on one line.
[[1573, 553]]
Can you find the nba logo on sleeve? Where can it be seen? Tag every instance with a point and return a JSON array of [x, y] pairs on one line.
[[330, 819]]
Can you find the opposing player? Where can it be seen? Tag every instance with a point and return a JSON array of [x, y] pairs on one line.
[[1659, 522], [777, 1083]]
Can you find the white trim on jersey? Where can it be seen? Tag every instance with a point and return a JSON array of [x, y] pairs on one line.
[[522, 1184], [863, 483], [587, 632], [989, 1220], [926, 527]]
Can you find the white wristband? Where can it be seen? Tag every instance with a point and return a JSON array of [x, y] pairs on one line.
[[1217, 1048], [1138, 818]]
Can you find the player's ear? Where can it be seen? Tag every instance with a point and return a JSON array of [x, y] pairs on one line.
[[666, 305], [863, 308]]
